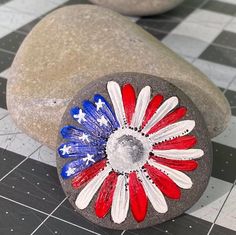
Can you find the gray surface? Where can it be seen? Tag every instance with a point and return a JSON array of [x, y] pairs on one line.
[[199, 177]]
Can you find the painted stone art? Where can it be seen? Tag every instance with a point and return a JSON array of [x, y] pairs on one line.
[[133, 157]]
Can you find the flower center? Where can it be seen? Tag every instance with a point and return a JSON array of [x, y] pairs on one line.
[[127, 150]]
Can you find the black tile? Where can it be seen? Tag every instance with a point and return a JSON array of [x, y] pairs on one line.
[[219, 230], [4, 1], [8, 160], [12, 41], [28, 27], [181, 11], [72, 2], [193, 3], [34, 184], [57, 227], [219, 54], [185, 224], [18, 220], [3, 84], [5, 60], [221, 7], [159, 35], [231, 97], [224, 164], [66, 212], [158, 23], [233, 111], [227, 39]]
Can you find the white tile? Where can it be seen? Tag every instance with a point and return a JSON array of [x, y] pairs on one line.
[[183, 45], [19, 143], [34, 8], [16, 13], [209, 19], [220, 75], [233, 85], [13, 19], [228, 137], [11, 138], [5, 73], [7, 126], [45, 155], [202, 25], [231, 26], [211, 201], [194, 30], [227, 1], [3, 31], [3, 113], [227, 217]]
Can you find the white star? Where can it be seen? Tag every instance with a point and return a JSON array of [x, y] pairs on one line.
[[99, 104], [70, 171], [88, 159], [80, 116], [84, 137], [102, 121], [65, 149]]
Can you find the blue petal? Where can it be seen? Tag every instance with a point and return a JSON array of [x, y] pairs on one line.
[[87, 121], [106, 109], [75, 167], [74, 149], [99, 118], [80, 136]]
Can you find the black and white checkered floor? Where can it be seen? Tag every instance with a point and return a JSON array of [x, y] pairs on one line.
[[31, 198]]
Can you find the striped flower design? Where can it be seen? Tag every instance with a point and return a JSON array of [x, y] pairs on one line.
[[129, 154]]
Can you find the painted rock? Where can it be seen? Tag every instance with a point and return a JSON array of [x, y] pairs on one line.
[[133, 151], [77, 44], [139, 7]]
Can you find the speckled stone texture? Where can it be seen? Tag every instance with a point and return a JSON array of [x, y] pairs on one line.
[[77, 44], [139, 7], [199, 177]]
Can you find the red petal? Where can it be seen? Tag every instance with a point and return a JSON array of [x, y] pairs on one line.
[[152, 107], [181, 165], [169, 119], [129, 101], [163, 182], [183, 142], [104, 199], [87, 174], [138, 198]]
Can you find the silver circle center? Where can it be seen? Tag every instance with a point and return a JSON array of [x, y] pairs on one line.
[[127, 150]]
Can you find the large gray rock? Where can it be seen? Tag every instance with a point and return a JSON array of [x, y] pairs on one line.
[[199, 176], [77, 44], [139, 7]]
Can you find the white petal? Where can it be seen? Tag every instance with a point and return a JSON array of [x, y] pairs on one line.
[[86, 195], [154, 194], [116, 98], [174, 130], [179, 154], [141, 106], [181, 179], [120, 202], [161, 112]]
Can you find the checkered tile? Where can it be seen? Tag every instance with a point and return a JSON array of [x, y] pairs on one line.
[[31, 199]]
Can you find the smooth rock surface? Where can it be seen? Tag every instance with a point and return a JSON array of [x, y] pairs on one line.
[[138, 7], [77, 44], [199, 177]]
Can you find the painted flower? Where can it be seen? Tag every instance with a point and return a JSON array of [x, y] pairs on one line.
[[130, 155]]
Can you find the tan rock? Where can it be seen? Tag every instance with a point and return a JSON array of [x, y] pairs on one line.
[[77, 44], [139, 7]]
